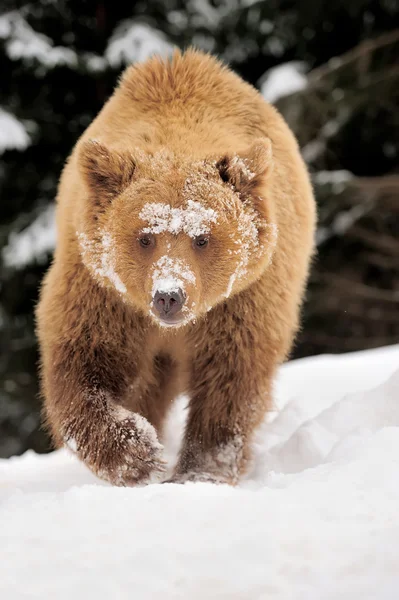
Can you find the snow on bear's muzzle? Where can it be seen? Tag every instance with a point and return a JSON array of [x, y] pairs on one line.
[[170, 304]]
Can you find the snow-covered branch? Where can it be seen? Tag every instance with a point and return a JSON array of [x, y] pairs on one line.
[[135, 42], [13, 133], [24, 43], [34, 243], [283, 80]]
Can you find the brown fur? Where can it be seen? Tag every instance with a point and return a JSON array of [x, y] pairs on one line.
[[176, 130]]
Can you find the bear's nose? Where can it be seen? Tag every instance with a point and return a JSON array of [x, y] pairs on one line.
[[169, 303]]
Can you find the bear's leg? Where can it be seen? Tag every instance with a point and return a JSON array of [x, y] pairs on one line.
[[152, 396], [234, 361], [90, 355]]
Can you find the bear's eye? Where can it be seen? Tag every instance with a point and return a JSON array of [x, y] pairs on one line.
[[201, 241], [146, 240]]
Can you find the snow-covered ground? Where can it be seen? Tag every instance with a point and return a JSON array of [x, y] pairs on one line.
[[316, 518]]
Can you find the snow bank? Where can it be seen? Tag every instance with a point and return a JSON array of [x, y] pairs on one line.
[[316, 518], [283, 80]]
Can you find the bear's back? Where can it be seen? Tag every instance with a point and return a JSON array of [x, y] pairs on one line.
[[189, 79], [191, 103]]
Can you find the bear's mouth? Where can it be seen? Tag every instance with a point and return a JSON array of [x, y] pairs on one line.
[[169, 321], [172, 322]]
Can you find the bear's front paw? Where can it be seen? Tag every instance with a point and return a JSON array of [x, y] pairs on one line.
[[138, 453], [126, 451]]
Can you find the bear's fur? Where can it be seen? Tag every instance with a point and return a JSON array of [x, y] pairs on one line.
[[187, 180]]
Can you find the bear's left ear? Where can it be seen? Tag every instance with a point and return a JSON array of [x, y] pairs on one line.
[[106, 172], [245, 170]]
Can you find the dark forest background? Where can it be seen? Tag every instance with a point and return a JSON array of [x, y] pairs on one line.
[[332, 68]]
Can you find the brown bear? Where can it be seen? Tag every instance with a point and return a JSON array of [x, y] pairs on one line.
[[185, 231]]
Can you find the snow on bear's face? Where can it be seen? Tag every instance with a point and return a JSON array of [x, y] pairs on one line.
[[174, 238]]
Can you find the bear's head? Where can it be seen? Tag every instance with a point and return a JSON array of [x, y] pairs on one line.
[[174, 237]]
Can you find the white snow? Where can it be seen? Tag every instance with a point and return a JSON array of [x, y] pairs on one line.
[[342, 222], [141, 424], [93, 62], [101, 259], [22, 42], [316, 518], [194, 220], [32, 244], [170, 274], [242, 165], [283, 80], [248, 243], [313, 149], [71, 444], [108, 268], [135, 42], [13, 134], [339, 177]]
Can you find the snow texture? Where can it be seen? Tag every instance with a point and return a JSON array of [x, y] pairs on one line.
[[32, 244], [194, 220], [13, 134], [313, 149], [135, 42], [248, 243], [141, 425], [100, 257], [23, 43], [171, 274], [315, 518], [344, 220], [341, 223], [334, 178], [283, 80]]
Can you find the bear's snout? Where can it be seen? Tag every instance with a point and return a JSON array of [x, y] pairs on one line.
[[169, 304]]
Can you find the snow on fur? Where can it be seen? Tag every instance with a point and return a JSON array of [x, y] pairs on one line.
[[170, 274], [141, 425], [315, 518], [243, 166], [145, 432], [247, 243], [100, 258], [194, 220]]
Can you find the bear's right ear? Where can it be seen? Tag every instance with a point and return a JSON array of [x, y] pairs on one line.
[[106, 172]]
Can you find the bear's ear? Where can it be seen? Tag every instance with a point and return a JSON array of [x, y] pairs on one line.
[[106, 172], [244, 171]]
